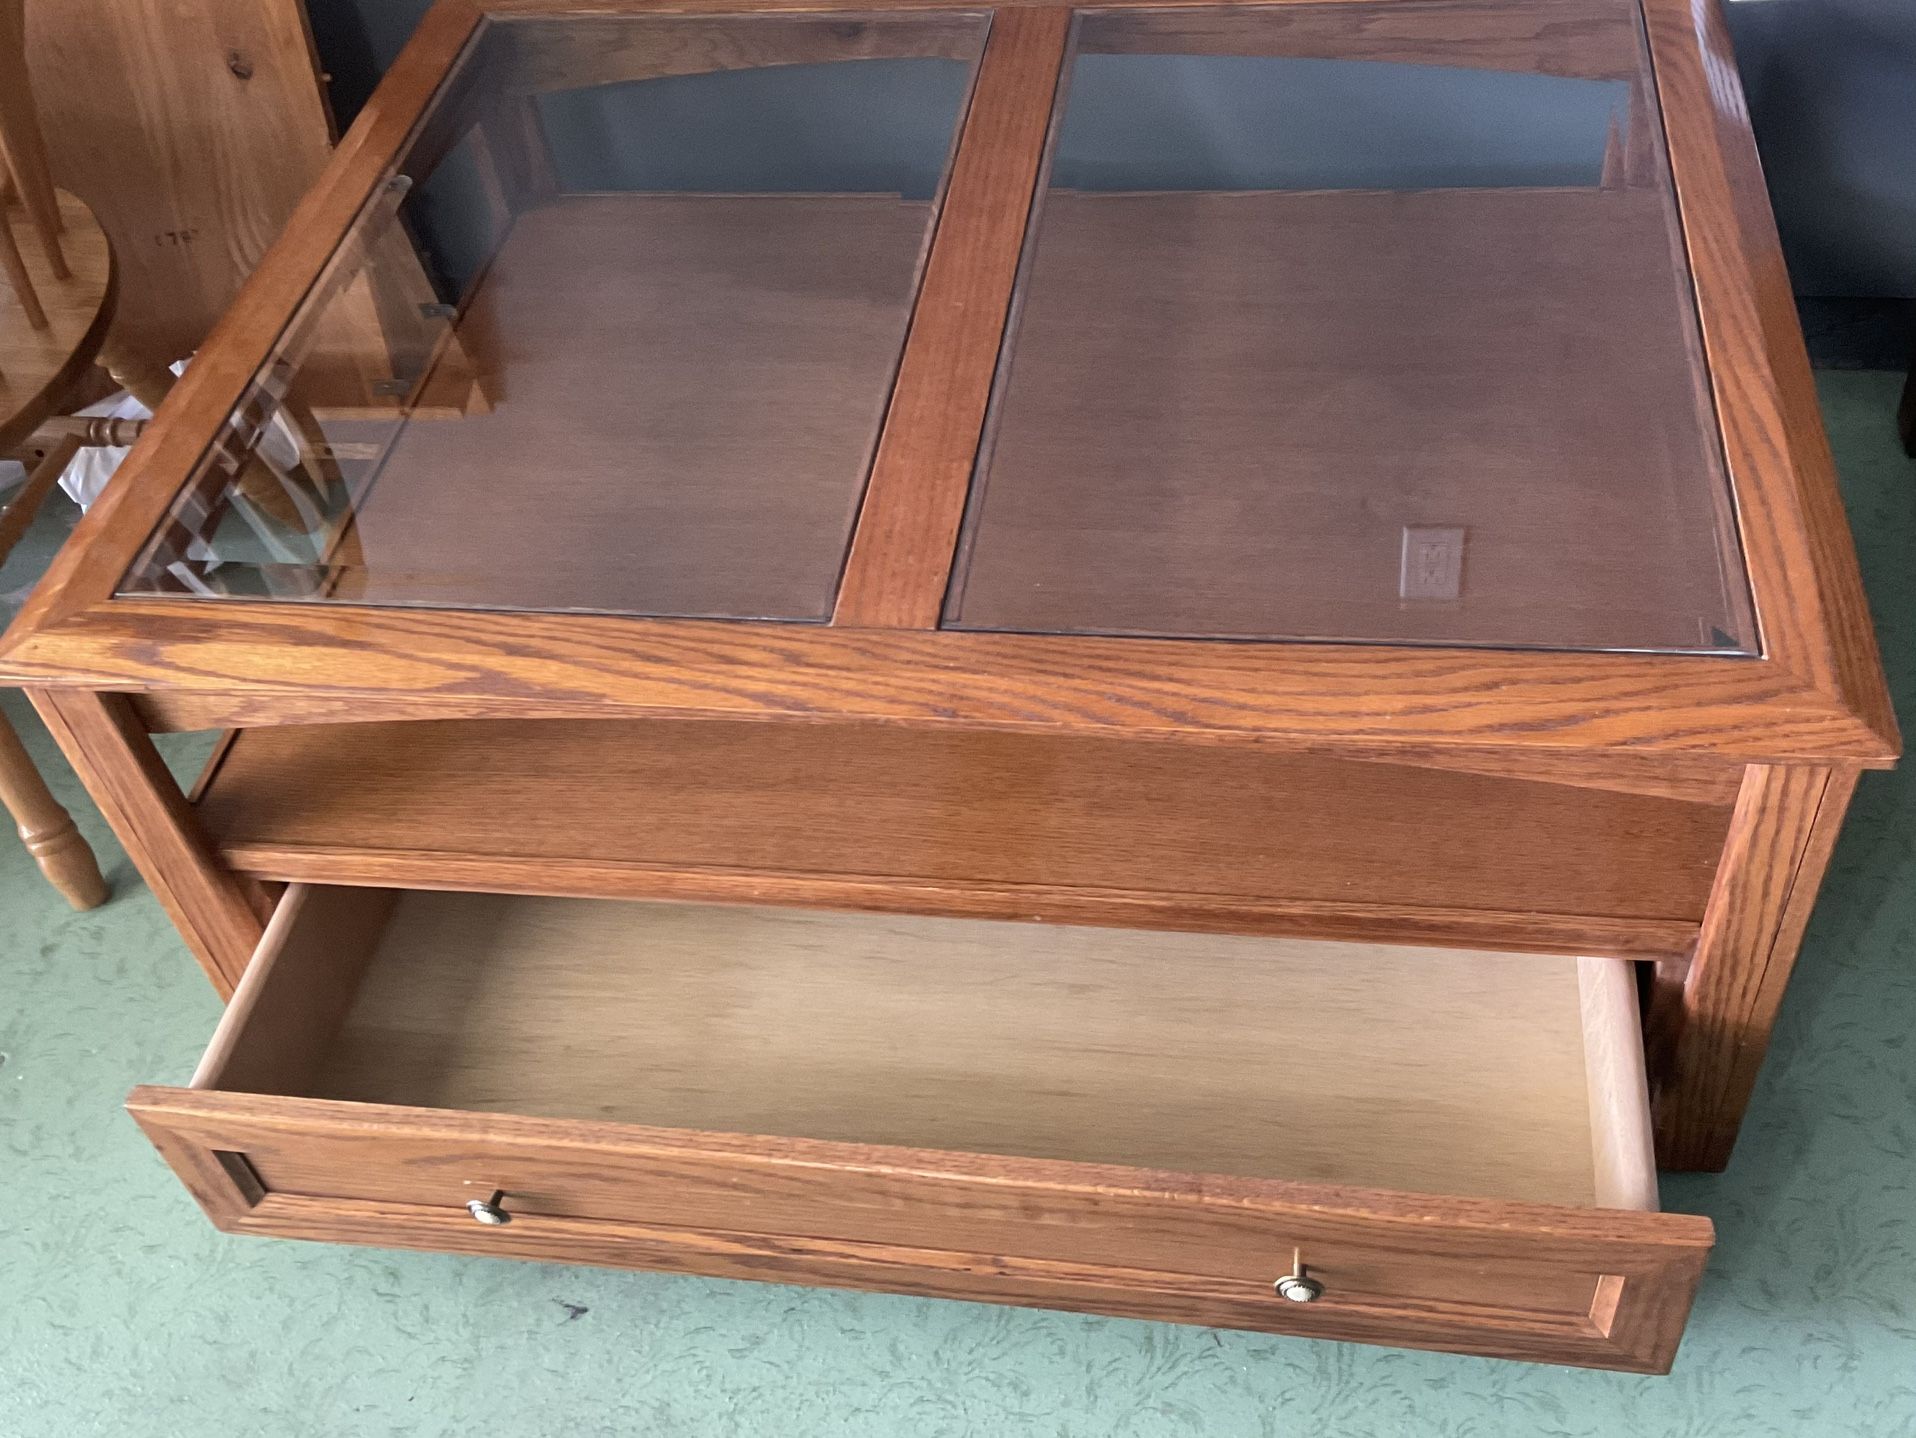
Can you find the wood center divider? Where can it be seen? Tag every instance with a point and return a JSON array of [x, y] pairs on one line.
[[907, 531]]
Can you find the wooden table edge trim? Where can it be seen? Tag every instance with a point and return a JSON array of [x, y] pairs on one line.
[[448, 663], [1783, 474]]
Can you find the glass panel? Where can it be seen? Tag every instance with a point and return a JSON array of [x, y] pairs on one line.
[[619, 338], [1363, 323]]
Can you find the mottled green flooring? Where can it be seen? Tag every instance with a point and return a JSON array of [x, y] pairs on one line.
[[122, 1313]]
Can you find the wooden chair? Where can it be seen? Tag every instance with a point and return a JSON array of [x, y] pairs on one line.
[[54, 313], [56, 309], [57, 300], [45, 827]]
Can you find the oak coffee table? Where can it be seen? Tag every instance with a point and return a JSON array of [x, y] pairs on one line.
[[1194, 662]]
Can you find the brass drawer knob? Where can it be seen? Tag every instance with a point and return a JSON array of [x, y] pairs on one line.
[[1297, 1285], [490, 1211]]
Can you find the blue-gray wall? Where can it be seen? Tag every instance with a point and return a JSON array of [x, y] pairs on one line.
[[1832, 90], [1205, 122], [1832, 86], [875, 126]]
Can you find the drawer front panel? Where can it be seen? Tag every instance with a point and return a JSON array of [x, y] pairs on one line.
[[1607, 1289]]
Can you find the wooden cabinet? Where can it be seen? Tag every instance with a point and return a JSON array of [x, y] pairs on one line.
[[1195, 662]]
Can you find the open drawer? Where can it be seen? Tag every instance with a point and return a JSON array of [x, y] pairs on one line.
[[1455, 1145]]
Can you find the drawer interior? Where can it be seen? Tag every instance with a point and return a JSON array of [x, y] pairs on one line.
[[1432, 1070]]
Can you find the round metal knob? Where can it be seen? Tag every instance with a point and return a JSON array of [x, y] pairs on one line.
[[489, 1211], [1298, 1286]]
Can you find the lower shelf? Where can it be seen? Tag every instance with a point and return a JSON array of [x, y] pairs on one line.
[[1073, 829], [1454, 1144]]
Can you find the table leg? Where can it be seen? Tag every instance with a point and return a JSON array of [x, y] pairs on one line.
[[46, 828], [1710, 1019], [220, 914]]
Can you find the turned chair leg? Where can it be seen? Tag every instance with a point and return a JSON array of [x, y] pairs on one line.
[[46, 828], [148, 380]]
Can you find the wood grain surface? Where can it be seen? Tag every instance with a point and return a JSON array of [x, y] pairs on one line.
[[210, 120], [1813, 701], [1046, 826], [45, 827], [42, 822], [41, 366], [1809, 590], [452, 664], [1810, 698], [1436, 1070], [1601, 1288], [1711, 1018], [286, 1012], [220, 914], [192, 130], [23, 157], [1695, 777], [901, 553]]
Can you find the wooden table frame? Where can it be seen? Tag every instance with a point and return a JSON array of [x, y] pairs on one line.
[[1787, 732]]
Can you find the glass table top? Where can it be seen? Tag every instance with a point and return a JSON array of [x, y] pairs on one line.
[[1352, 349], [1354, 322], [625, 348]]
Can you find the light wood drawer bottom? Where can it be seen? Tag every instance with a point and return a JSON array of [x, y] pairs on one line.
[[1152, 1124]]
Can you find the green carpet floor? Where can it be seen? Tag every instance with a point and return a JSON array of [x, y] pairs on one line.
[[123, 1313]]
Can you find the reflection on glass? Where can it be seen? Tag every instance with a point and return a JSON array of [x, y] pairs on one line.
[[619, 339], [1336, 326]]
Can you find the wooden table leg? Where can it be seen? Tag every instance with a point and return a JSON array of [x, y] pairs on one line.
[[46, 828], [1710, 1020], [219, 913]]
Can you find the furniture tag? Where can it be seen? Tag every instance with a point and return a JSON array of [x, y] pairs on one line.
[[1433, 562]]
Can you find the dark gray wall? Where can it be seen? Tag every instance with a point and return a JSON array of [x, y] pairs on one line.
[[1832, 90], [1206, 122], [867, 126], [1132, 122], [1832, 86]]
